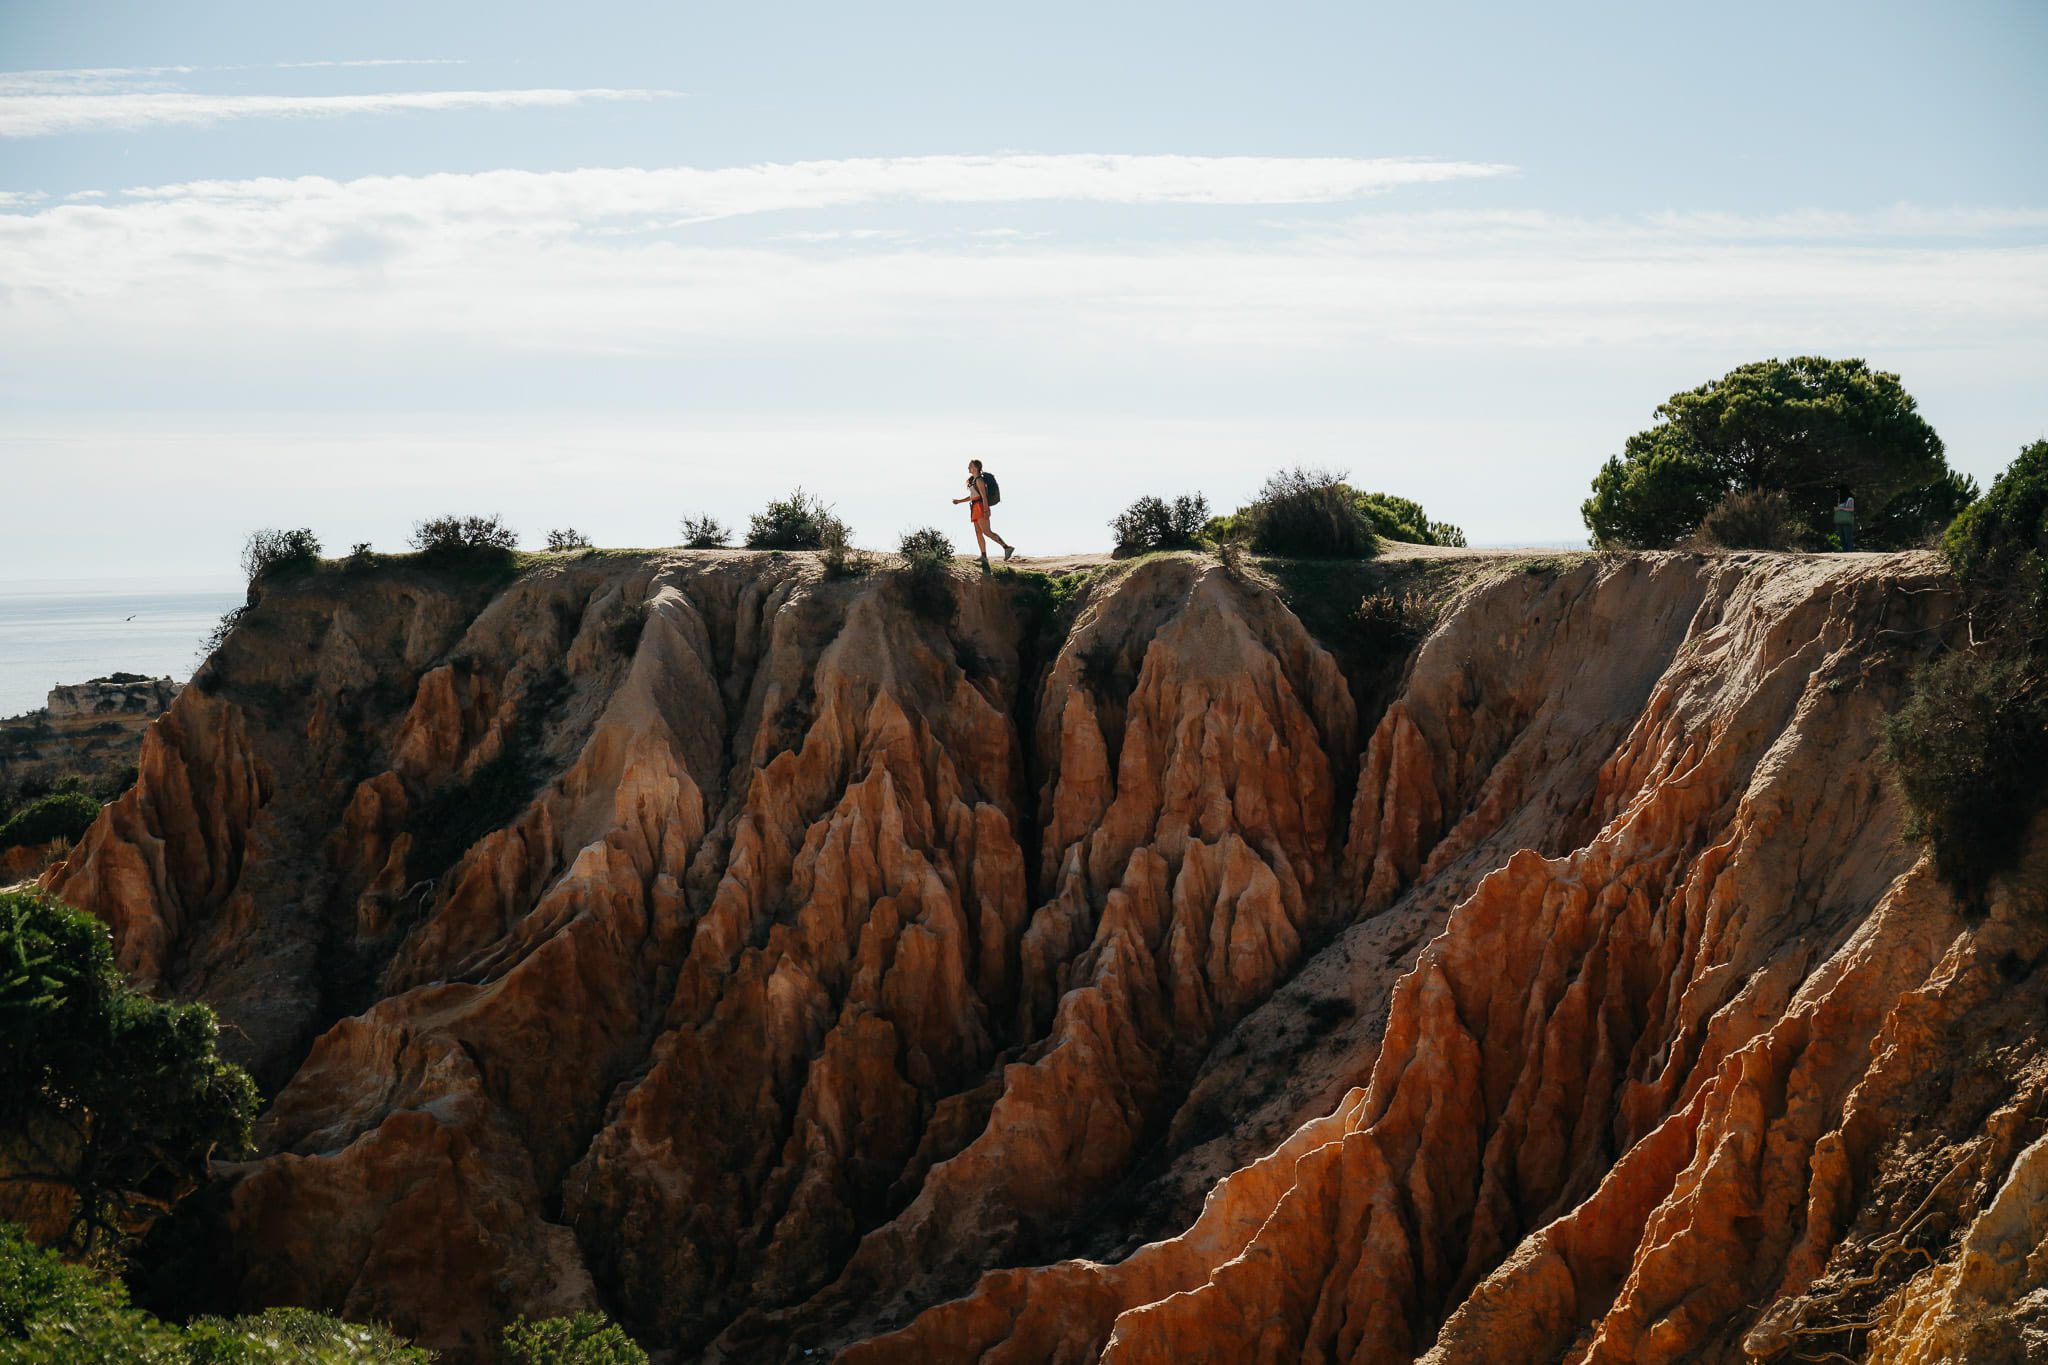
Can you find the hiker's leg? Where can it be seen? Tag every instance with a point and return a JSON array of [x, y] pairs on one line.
[[997, 538], [981, 539]]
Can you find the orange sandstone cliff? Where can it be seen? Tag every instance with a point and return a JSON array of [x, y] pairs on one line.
[[793, 967]]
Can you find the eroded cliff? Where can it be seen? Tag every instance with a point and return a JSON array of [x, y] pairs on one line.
[[790, 969]]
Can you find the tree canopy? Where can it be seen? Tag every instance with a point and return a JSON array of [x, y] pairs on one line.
[[1806, 427], [120, 1098]]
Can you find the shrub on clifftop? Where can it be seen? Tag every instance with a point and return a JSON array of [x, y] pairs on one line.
[[269, 553], [454, 536], [1155, 524], [705, 533], [797, 522], [1308, 514]]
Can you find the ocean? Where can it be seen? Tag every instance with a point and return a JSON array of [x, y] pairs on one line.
[[54, 633]]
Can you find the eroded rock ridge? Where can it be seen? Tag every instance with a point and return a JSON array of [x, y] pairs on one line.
[[792, 969]]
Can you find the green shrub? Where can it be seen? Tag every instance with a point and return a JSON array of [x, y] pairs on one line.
[[1749, 519], [84, 1053], [797, 522], [928, 573], [53, 1312], [63, 815], [1968, 749], [269, 553], [567, 539], [705, 533], [1998, 549], [1308, 513], [1155, 524], [1404, 520], [585, 1339], [452, 535], [297, 1336]]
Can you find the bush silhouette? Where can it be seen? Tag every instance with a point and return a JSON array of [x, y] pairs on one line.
[[268, 553], [1308, 513], [1155, 524], [797, 522], [705, 533]]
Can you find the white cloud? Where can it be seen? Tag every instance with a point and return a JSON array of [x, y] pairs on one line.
[[41, 115], [80, 80], [11, 198], [595, 261]]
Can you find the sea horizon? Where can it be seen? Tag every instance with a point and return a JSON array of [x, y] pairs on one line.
[[54, 632]]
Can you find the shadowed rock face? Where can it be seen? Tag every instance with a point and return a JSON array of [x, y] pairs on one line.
[[790, 974]]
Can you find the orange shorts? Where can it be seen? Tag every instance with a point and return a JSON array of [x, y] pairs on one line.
[[977, 512]]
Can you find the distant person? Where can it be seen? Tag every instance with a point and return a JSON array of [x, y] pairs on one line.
[[983, 493], [1845, 518]]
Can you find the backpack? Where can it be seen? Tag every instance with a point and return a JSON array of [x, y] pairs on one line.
[[991, 491]]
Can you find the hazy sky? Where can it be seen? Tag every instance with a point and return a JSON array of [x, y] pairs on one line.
[[607, 264]]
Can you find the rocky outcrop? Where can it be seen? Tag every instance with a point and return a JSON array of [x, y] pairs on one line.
[[791, 967]]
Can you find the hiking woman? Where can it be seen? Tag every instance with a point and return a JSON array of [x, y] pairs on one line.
[[978, 502]]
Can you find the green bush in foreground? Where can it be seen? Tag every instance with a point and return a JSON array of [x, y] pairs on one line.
[[119, 1097], [53, 1312], [61, 815], [586, 1339]]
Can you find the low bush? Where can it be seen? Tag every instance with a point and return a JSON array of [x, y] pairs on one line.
[[269, 553], [452, 535], [61, 815], [705, 533], [1155, 524], [1968, 749], [585, 1339], [1752, 519], [1403, 519], [54, 1311], [797, 522], [928, 573], [838, 555], [1311, 514], [567, 539]]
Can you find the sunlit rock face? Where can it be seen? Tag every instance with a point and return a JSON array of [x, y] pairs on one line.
[[793, 971]]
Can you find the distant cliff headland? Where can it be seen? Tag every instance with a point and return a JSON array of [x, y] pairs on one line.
[[83, 744]]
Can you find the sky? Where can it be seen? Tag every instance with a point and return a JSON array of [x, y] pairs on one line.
[[608, 265]]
